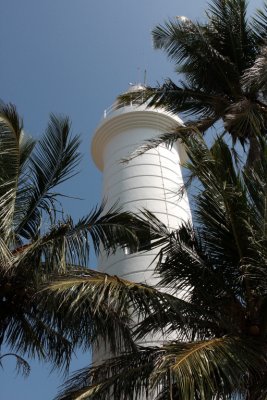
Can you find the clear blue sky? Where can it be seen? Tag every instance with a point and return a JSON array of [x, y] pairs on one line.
[[74, 57]]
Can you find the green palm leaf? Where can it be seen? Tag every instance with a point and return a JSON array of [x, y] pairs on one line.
[[204, 369], [185, 370], [21, 365], [9, 166], [53, 161]]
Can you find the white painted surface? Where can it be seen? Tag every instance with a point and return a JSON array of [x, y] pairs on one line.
[[150, 181]]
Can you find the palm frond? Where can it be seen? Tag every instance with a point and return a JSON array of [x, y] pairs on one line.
[[203, 369], [192, 47], [177, 318], [6, 257], [255, 77], [225, 211], [107, 300], [88, 318], [113, 378], [259, 24], [111, 298], [170, 138], [217, 366], [54, 160], [10, 117], [244, 120], [34, 335], [22, 366], [9, 167], [109, 290], [69, 243], [236, 36], [183, 98], [26, 145]]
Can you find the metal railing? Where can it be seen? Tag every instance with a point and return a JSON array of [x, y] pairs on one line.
[[114, 107]]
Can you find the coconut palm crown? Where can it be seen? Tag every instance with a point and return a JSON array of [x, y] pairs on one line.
[[222, 65]]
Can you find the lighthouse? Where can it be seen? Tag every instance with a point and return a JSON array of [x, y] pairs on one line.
[[150, 181]]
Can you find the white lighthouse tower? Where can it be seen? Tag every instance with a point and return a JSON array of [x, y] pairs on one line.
[[150, 181]]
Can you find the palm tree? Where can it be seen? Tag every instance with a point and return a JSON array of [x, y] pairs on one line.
[[222, 63], [39, 244], [219, 328]]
